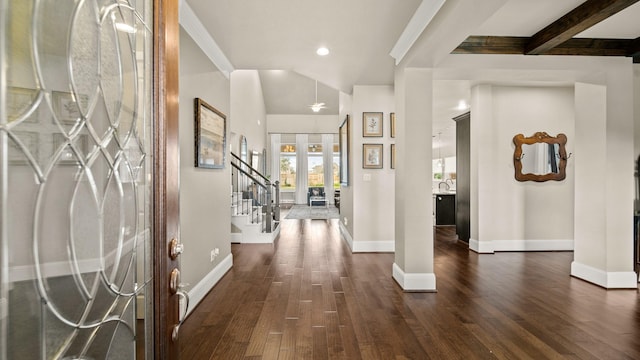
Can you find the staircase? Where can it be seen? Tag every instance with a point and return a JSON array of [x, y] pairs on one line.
[[255, 211]]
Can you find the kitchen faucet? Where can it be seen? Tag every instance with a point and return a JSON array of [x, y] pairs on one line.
[[447, 187]]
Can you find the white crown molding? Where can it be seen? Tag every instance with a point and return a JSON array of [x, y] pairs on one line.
[[192, 25], [419, 21]]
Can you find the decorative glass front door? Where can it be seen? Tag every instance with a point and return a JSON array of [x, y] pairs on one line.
[[76, 176]]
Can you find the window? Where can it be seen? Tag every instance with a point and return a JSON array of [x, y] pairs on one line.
[[287, 166], [316, 169]]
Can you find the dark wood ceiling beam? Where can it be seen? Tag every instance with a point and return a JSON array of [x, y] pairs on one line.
[[515, 46], [634, 48], [492, 45], [574, 22], [591, 47]]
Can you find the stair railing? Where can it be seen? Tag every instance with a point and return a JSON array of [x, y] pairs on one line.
[[252, 195]]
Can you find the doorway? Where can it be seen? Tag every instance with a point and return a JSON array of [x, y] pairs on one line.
[[79, 186]]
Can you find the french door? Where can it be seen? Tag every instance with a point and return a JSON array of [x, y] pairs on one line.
[[86, 189]]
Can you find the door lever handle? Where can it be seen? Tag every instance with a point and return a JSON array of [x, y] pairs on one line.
[[184, 296]]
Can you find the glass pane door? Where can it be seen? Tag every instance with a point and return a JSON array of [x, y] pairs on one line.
[[75, 141]]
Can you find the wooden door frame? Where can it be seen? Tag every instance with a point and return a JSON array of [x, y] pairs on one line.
[[166, 223]]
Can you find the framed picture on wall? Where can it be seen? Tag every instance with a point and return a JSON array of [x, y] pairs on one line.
[[372, 124], [392, 125], [67, 107], [19, 100], [210, 136], [393, 156], [30, 142], [372, 156], [343, 140]]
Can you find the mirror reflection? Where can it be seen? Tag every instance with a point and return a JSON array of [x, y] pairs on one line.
[[540, 157]]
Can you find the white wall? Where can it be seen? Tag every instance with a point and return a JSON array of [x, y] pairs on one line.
[[373, 199], [513, 215], [303, 124], [248, 112], [205, 215]]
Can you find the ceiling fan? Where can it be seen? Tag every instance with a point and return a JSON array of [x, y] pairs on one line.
[[316, 106]]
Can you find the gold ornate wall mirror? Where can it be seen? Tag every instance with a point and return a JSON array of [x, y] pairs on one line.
[[540, 157]]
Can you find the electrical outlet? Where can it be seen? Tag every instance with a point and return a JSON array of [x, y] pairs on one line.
[[214, 253], [346, 221]]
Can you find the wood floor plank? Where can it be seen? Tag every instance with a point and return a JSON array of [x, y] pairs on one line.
[[262, 328], [308, 297], [304, 337], [272, 347], [320, 347], [335, 350]]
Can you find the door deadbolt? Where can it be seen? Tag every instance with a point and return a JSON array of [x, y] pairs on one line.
[[175, 248]]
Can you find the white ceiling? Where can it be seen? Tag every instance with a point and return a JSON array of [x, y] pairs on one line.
[[284, 35], [279, 38]]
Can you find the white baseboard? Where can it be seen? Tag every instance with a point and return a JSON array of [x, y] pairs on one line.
[[200, 290], [608, 280], [345, 234], [373, 246], [489, 247], [236, 238], [366, 246], [254, 237], [484, 247], [414, 282]]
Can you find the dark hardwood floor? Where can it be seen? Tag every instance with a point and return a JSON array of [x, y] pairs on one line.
[[308, 297]]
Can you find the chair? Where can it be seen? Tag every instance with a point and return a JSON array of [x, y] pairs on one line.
[[316, 196]]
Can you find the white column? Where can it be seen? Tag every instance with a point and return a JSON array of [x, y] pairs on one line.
[[327, 163], [302, 171], [604, 168], [481, 168], [413, 266]]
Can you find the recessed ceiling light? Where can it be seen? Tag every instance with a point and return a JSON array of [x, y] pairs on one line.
[[462, 105], [322, 51]]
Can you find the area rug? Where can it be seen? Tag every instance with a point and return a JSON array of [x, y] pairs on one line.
[[313, 212]]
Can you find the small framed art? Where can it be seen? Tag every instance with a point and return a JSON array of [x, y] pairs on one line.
[[372, 124], [67, 107], [392, 125], [19, 100], [372, 156], [393, 156]]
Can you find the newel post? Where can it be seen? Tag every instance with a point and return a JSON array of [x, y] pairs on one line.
[[268, 210], [276, 209]]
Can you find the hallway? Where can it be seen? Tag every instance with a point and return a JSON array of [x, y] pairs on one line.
[[308, 297]]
